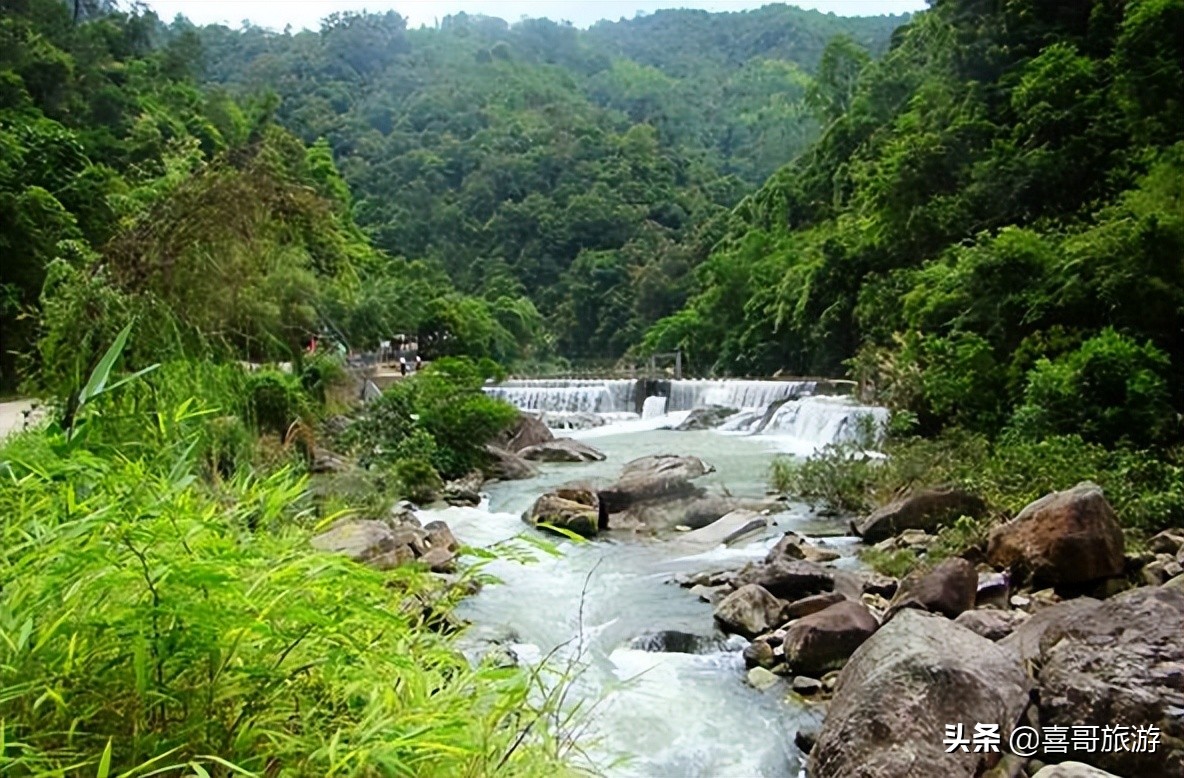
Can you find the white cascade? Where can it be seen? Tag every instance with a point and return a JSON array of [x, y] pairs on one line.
[[823, 420], [653, 407], [687, 394], [567, 395]]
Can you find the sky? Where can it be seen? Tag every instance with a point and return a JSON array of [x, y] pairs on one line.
[[276, 14]]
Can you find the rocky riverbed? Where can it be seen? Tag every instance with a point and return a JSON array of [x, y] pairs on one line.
[[711, 630]]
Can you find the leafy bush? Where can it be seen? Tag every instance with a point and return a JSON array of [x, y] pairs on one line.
[[275, 400], [419, 481], [319, 373], [1110, 389]]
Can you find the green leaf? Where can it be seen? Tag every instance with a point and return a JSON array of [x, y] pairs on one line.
[[102, 372], [105, 762]]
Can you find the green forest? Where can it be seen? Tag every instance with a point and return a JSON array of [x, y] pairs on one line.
[[975, 212]]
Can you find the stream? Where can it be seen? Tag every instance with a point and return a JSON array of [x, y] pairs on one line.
[[652, 713]]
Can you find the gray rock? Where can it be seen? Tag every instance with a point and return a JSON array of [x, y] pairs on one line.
[[948, 589], [793, 546], [824, 640], [812, 604], [789, 580], [1069, 537], [993, 589], [902, 686], [574, 509], [749, 611], [1025, 640], [561, 450], [761, 679], [673, 641], [361, 540], [760, 653], [507, 466], [805, 686], [927, 509], [729, 528], [465, 491], [659, 477], [706, 418], [527, 430], [1121, 662], [1170, 541], [1161, 570], [990, 623]]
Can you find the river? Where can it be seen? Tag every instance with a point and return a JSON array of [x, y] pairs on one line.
[[651, 713]]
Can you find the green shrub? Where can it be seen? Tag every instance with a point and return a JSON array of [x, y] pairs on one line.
[[319, 373], [418, 480], [1111, 389], [275, 400]]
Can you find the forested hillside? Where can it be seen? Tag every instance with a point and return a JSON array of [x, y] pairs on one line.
[[991, 232], [129, 191], [584, 169]]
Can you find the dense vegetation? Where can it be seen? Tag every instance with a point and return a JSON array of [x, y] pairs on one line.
[[990, 233], [582, 169]]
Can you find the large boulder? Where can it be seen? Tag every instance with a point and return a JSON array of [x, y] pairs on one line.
[[1071, 770], [948, 589], [812, 604], [695, 511], [466, 490], [384, 545], [507, 466], [749, 611], [1069, 537], [706, 418], [661, 477], [1120, 663], [1025, 639], [571, 508], [527, 430], [902, 687], [561, 450], [789, 580], [823, 641], [927, 509]]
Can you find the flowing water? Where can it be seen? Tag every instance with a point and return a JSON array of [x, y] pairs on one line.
[[653, 714]]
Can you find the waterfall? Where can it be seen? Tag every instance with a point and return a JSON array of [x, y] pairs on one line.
[[686, 394], [568, 396], [653, 407], [822, 420]]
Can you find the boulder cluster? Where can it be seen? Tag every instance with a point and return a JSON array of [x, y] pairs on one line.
[[1051, 626]]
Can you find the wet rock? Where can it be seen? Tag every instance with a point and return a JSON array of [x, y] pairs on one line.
[[440, 536], [1120, 662], [812, 604], [505, 465], [1071, 770], [694, 511], [824, 640], [805, 739], [660, 477], [805, 686], [562, 450], [727, 529], [916, 674], [402, 514], [881, 585], [1170, 541], [1069, 537], [749, 611], [761, 679], [439, 559], [709, 594], [527, 430], [789, 580], [793, 546], [361, 540], [706, 418], [465, 491], [927, 509], [673, 641], [760, 653], [993, 589], [948, 589], [1176, 583], [573, 509], [990, 623], [384, 546]]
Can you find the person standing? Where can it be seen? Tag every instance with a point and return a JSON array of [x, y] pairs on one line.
[[403, 365], [418, 362]]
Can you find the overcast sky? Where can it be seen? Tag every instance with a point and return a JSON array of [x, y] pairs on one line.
[[308, 13]]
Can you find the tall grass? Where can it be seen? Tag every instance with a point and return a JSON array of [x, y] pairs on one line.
[[161, 617]]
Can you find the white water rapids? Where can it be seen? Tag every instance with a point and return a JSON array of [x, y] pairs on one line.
[[648, 713]]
